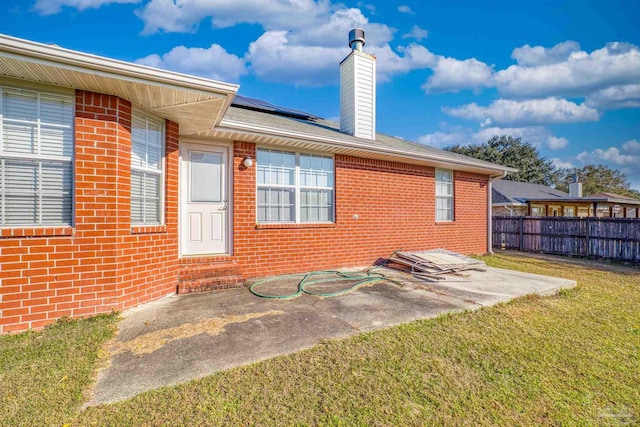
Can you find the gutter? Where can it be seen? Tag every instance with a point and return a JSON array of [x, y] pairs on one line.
[[489, 209], [264, 131]]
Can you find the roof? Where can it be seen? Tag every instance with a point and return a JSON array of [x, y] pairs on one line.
[[273, 128], [518, 193], [193, 102], [614, 196], [513, 192]]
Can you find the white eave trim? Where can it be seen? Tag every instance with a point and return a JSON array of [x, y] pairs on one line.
[[232, 126], [79, 61]]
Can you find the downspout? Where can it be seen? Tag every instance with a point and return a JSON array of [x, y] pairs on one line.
[[489, 213], [509, 209]]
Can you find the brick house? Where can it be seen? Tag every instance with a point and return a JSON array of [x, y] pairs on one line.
[[121, 184]]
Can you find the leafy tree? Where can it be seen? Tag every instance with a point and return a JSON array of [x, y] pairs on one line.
[[597, 179], [512, 152]]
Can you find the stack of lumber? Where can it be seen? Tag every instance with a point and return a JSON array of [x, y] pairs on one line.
[[434, 264]]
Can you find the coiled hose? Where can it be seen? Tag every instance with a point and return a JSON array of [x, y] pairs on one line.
[[307, 279]]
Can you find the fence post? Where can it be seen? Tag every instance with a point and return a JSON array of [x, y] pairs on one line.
[[587, 238], [521, 245]]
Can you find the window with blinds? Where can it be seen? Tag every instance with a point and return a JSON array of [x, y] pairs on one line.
[[444, 195], [147, 171], [36, 158]]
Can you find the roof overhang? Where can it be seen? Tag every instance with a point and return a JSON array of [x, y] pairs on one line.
[[197, 104], [587, 200], [235, 130]]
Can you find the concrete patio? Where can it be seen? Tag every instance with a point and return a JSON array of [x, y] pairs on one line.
[[180, 338]]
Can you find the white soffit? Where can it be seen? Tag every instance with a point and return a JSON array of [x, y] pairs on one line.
[[197, 104]]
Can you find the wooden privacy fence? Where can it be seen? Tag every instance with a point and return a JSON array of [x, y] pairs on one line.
[[612, 238]]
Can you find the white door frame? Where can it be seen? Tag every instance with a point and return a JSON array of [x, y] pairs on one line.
[[182, 198]]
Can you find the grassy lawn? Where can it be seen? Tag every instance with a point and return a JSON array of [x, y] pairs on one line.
[[44, 375], [571, 359]]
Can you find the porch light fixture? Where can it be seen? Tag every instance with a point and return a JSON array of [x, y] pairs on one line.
[[248, 162]]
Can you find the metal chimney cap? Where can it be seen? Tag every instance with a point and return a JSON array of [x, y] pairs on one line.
[[356, 36]]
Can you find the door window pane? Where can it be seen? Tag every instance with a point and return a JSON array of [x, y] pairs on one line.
[[205, 180]]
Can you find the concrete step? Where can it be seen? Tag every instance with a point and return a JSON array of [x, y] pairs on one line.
[[191, 272], [210, 284]]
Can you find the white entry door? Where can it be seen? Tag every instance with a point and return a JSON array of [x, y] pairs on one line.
[[205, 207]]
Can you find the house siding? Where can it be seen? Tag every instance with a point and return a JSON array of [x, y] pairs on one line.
[[100, 263], [395, 205]]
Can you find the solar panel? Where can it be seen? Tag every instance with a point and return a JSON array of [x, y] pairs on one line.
[[266, 107]]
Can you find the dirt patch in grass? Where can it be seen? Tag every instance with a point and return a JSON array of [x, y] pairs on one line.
[[570, 359]]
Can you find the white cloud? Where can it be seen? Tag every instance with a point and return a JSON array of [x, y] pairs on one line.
[[441, 139], [623, 96], [625, 157], [275, 57], [214, 62], [50, 7], [561, 164], [416, 33], [611, 155], [538, 136], [524, 113], [528, 56], [405, 9], [332, 31], [454, 75], [631, 146], [185, 15], [579, 75], [390, 63], [555, 143]]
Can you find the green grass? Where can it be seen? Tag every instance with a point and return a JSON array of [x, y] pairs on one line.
[[570, 359], [43, 375]]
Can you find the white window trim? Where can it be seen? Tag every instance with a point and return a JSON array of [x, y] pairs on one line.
[[445, 196], [38, 157], [161, 162], [297, 188]]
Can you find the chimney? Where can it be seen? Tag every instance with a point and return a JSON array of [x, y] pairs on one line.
[[575, 188], [358, 90]]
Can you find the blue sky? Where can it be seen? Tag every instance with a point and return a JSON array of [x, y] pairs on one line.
[[563, 75]]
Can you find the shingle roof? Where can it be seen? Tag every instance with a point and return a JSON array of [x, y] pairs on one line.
[[322, 128], [519, 192]]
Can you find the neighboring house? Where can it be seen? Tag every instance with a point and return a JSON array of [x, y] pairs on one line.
[[123, 183], [511, 198]]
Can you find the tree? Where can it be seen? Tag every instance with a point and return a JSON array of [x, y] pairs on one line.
[[512, 152], [597, 179]]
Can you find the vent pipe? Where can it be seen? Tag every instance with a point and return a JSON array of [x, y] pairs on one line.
[[358, 90], [356, 39]]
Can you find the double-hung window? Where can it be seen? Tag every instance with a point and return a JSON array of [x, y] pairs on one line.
[[147, 169], [444, 195], [36, 157], [294, 187]]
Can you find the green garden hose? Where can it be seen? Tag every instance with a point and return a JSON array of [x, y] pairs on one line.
[[307, 280]]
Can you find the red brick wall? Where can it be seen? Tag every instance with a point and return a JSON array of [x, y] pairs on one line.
[[101, 263], [395, 205]]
